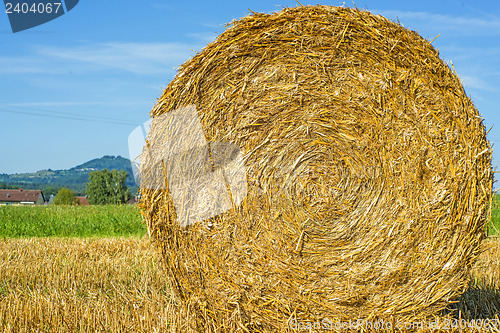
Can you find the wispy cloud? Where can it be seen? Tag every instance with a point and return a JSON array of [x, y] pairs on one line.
[[476, 66], [75, 103], [137, 58], [452, 25], [474, 82], [206, 37], [215, 26], [489, 52], [24, 65]]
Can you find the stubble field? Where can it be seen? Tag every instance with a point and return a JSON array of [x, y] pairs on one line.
[[116, 283]]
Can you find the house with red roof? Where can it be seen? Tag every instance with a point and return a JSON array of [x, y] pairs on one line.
[[83, 201], [21, 197]]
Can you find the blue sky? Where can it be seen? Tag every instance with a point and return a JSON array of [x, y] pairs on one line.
[[74, 88]]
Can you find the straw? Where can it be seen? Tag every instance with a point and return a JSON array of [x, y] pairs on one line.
[[368, 170]]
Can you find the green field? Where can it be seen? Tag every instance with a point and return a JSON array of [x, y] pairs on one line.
[[494, 225], [104, 221], [71, 221]]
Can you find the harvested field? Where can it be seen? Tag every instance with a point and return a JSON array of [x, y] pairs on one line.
[[81, 285], [117, 285]]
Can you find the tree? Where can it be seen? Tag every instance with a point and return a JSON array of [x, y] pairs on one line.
[[107, 187], [65, 197], [50, 190]]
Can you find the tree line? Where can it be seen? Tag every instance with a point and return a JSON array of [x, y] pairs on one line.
[[103, 187]]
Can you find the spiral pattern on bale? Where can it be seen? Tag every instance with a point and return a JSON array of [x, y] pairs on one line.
[[368, 170]]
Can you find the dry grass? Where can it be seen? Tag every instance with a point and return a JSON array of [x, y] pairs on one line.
[[482, 298], [75, 285], [116, 285], [368, 169]]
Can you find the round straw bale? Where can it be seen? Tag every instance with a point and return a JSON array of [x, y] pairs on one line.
[[368, 171]]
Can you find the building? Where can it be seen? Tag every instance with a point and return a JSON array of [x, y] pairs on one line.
[[21, 197], [83, 201]]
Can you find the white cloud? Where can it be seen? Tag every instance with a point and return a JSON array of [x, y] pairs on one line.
[[451, 25], [137, 58], [206, 37], [489, 52], [24, 65], [476, 66], [216, 26], [75, 103], [474, 82]]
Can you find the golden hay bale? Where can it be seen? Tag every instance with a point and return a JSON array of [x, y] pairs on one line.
[[368, 168]]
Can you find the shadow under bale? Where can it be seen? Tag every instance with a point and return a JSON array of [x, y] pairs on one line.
[[481, 299]]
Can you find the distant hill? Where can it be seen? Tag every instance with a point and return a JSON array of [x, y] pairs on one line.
[[73, 178], [106, 162]]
